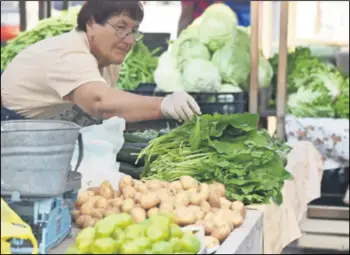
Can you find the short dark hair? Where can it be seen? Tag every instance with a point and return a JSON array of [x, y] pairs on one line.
[[102, 10]]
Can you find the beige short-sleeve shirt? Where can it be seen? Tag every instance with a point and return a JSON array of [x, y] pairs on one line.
[[37, 79]]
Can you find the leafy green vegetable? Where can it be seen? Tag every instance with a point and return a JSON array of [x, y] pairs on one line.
[[46, 28], [314, 87], [167, 76], [342, 104], [265, 72], [300, 55], [229, 88], [185, 49], [243, 38], [310, 102], [233, 64], [201, 76], [213, 37], [218, 26], [138, 67], [195, 138], [224, 148]]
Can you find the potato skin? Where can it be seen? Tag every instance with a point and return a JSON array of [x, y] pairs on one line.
[[83, 197], [147, 201], [152, 211], [218, 188], [204, 191], [128, 191], [239, 207], [221, 233], [184, 216], [106, 190], [128, 205], [208, 226], [195, 198], [126, 180], [138, 215], [84, 221], [211, 242], [214, 200], [188, 182]]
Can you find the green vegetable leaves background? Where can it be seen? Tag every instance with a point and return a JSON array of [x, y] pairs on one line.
[[138, 67], [315, 88], [46, 28]]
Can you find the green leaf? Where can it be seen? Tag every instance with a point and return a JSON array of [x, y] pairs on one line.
[[195, 138]]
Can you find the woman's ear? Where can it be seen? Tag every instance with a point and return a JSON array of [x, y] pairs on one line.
[[90, 25]]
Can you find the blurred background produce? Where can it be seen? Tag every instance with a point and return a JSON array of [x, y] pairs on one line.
[[222, 61], [315, 88]]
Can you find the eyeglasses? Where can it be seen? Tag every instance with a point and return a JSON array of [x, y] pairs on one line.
[[122, 33]]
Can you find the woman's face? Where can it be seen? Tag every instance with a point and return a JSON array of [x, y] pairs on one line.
[[112, 41]]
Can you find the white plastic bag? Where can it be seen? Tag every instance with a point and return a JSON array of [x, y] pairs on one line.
[[101, 144]]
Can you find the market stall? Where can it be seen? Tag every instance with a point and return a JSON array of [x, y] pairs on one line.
[[259, 227], [324, 123]]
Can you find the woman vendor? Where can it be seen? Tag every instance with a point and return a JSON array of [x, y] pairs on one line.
[[81, 68]]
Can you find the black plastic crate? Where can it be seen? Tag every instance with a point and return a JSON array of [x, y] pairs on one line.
[[145, 89], [334, 185], [156, 40], [210, 103], [222, 103]]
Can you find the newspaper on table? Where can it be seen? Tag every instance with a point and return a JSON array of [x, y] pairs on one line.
[[329, 136]]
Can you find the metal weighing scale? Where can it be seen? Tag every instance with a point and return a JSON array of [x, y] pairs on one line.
[[49, 217]]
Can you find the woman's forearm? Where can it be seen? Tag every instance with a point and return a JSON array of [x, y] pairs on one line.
[[131, 107], [98, 100]]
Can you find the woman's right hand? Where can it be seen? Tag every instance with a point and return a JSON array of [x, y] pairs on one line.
[[180, 106]]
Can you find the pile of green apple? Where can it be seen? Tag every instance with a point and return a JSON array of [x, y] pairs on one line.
[[117, 234]]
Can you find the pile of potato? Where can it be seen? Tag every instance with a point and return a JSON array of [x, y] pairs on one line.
[[190, 203]]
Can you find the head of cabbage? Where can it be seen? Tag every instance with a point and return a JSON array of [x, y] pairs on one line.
[[200, 75], [166, 76], [217, 26], [242, 39], [192, 31], [265, 72], [233, 64], [185, 49], [229, 88]]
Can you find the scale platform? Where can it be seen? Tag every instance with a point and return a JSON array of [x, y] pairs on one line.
[[50, 218]]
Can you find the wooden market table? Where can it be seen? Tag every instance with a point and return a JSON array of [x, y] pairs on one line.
[[247, 239]]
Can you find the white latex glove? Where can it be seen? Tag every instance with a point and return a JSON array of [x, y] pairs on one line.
[[180, 106]]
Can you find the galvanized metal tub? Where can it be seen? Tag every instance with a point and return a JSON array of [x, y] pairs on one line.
[[36, 155]]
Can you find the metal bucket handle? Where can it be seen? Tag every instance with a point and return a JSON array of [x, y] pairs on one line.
[[81, 152]]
